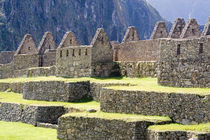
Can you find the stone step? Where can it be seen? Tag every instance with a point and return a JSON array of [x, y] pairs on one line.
[[181, 108]]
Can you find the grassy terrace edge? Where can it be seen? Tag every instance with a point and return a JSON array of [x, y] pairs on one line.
[[178, 127], [138, 84], [10, 97], [119, 116]]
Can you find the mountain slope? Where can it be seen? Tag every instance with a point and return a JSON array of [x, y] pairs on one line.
[[83, 17]]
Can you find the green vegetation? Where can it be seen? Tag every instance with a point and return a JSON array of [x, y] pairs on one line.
[[21, 131], [17, 98], [178, 127], [141, 84], [118, 116]]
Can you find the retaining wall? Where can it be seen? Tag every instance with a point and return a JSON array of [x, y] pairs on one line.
[[181, 108], [84, 128], [55, 90], [176, 135], [30, 113]]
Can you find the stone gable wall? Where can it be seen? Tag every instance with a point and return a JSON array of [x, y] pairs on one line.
[[181, 108], [73, 61], [185, 63]]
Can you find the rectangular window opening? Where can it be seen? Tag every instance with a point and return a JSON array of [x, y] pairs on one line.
[[178, 50]]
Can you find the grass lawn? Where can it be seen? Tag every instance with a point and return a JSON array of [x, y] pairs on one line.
[[178, 127], [21, 131], [142, 84], [118, 116], [17, 98]]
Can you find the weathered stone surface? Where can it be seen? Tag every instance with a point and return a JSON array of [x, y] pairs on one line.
[[10, 112], [27, 46], [160, 31], [55, 90], [69, 39], [131, 34], [85, 128], [206, 30], [191, 29], [6, 57], [101, 54], [176, 135], [138, 69], [12, 87], [181, 108], [143, 50], [74, 61], [47, 43], [177, 28], [185, 63]]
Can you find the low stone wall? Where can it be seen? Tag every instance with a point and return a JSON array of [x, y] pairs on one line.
[[138, 69], [6, 57], [12, 87], [181, 108], [95, 89], [55, 90], [85, 128], [176, 135], [30, 113]]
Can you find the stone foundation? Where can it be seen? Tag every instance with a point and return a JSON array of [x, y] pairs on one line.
[[181, 108], [138, 69]]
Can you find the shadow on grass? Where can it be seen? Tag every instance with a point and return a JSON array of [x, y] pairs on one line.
[[84, 100]]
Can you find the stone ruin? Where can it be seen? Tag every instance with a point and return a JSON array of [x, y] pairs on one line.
[[206, 30], [191, 30], [160, 31], [175, 61], [71, 59], [131, 35]]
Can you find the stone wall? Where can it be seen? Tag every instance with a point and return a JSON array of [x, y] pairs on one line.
[[6, 57], [143, 50], [25, 61], [138, 69], [181, 108], [30, 113], [48, 58], [11, 87], [55, 90], [185, 62], [74, 61], [176, 135], [87, 128]]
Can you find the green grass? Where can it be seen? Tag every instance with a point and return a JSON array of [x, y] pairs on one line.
[[178, 127], [139, 84], [21, 131], [118, 116], [17, 98]]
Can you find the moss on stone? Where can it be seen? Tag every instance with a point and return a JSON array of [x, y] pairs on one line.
[[17, 98], [178, 127], [118, 116]]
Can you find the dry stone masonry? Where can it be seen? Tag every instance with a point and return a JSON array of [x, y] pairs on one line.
[[160, 31], [131, 34], [177, 28], [206, 30], [191, 30]]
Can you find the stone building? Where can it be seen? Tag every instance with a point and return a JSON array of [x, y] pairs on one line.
[[185, 62], [206, 30], [177, 28], [131, 34]]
